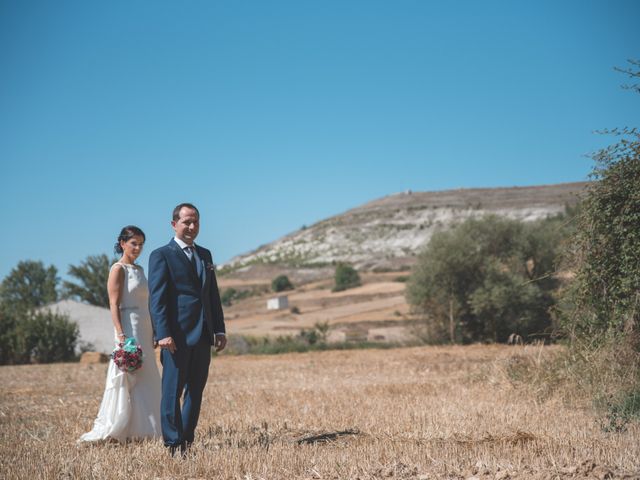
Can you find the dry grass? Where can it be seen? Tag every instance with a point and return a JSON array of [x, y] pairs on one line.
[[429, 412]]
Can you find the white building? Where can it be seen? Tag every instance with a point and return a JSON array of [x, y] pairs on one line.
[[94, 323], [278, 303]]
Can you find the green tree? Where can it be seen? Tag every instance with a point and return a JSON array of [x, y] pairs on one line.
[[92, 275], [27, 333], [281, 283], [606, 245], [12, 349], [485, 279], [48, 337], [345, 277], [601, 307], [28, 286]]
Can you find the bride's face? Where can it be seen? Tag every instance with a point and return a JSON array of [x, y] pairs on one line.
[[132, 248]]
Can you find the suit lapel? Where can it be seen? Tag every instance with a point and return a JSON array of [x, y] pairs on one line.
[[182, 257]]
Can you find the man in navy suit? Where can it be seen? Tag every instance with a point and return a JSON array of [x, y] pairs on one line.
[[187, 317]]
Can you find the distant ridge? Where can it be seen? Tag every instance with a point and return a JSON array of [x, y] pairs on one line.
[[391, 231]]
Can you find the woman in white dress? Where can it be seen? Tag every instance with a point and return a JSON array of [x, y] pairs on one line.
[[130, 407]]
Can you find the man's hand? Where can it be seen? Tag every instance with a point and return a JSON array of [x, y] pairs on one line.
[[220, 342], [168, 343]]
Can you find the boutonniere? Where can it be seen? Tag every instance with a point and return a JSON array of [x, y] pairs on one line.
[[211, 267]]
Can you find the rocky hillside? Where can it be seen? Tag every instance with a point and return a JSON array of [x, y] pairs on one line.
[[389, 232]]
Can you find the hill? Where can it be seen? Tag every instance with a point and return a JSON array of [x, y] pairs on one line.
[[385, 234], [389, 232]]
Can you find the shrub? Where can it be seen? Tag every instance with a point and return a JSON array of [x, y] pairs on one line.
[[601, 308], [49, 337], [227, 295], [485, 279], [230, 295], [27, 333], [281, 283], [345, 277], [11, 344], [607, 244], [40, 337]]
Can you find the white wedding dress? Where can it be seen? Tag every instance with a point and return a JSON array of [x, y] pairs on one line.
[[130, 407]]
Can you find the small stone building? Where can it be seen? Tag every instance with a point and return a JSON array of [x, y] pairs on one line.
[[278, 303]]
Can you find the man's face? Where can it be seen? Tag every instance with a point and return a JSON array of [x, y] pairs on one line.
[[187, 226]]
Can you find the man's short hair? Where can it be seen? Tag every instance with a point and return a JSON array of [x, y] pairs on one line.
[[176, 211]]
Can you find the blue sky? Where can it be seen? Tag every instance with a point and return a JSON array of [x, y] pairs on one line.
[[270, 115]]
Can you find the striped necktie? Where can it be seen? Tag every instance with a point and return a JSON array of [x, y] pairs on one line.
[[192, 252]]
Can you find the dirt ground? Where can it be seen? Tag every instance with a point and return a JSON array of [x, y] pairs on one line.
[[411, 413]]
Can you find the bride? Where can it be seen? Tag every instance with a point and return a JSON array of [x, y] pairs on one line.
[[130, 407]]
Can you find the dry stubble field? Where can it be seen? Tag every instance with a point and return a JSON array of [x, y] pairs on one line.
[[428, 412]]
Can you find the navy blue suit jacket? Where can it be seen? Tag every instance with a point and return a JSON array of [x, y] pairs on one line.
[[183, 304]]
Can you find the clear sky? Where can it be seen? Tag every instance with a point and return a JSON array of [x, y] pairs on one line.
[[270, 115]]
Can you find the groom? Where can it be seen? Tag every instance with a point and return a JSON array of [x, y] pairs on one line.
[[187, 317]]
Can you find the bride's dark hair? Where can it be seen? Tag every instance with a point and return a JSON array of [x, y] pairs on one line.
[[126, 234]]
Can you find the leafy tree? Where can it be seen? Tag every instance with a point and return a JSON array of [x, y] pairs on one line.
[[36, 336], [28, 286], [345, 277], [11, 343], [49, 337], [281, 283], [28, 334], [607, 243], [601, 313], [92, 275], [485, 279]]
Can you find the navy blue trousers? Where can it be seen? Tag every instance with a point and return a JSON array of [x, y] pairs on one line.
[[183, 372]]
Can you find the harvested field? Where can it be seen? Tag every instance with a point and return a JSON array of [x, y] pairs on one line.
[[414, 413]]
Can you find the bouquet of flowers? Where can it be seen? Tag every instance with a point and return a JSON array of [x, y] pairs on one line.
[[128, 355]]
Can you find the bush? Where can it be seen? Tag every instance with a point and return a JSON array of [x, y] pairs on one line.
[[312, 339], [485, 279], [27, 334], [40, 337], [600, 310], [230, 295], [606, 257], [49, 337], [227, 296], [281, 283], [307, 340], [345, 277], [11, 344]]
